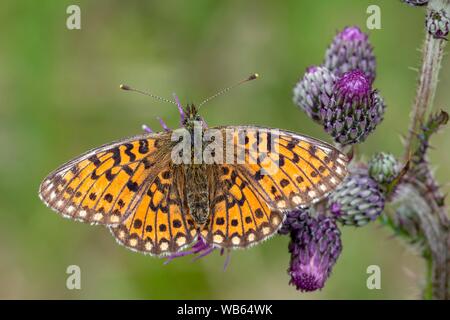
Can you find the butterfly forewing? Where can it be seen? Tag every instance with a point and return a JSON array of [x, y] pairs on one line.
[[289, 170], [103, 185]]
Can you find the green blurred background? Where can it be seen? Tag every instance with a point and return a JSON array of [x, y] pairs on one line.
[[59, 97]]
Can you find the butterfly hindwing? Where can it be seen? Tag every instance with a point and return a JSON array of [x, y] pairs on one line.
[[161, 223], [103, 185], [239, 216]]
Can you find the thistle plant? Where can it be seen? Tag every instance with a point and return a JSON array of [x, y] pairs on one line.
[[315, 246], [400, 192]]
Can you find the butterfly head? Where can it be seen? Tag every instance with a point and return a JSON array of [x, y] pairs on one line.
[[191, 116], [191, 113]]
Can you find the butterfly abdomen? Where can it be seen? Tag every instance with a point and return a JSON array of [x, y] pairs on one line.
[[196, 182]]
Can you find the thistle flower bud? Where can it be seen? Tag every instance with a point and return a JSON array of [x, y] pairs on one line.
[[437, 23], [354, 110], [416, 3], [383, 168], [294, 221], [315, 247], [358, 200], [351, 50], [314, 91]]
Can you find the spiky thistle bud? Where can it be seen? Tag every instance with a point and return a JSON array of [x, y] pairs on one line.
[[314, 91], [358, 200], [294, 221], [383, 168], [416, 3], [354, 110], [351, 50], [437, 23], [315, 247]]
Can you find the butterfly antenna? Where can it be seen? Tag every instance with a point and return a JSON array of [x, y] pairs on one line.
[[128, 88], [252, 77]]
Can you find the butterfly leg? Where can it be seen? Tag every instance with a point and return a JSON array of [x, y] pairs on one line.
[[147, 128]]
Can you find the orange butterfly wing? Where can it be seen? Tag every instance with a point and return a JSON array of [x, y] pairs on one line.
[[292, 170], [133, 186], [239, 216], [248, 204], [103, 185], [161, 224]]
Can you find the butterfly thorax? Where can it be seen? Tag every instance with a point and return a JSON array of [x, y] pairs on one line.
[[196, 179], [191, 117]]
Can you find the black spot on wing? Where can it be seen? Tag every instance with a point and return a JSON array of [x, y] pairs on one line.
[[95, 160], [143, 146], [128, 148]]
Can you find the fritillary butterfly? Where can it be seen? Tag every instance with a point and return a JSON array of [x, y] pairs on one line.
[[154, 205]]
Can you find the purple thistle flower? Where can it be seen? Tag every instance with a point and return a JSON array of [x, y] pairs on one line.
[[163, 124], [314, 91], [147, 128], [351, 50], [180, 108], [358, 200], [294, 221], [353, 84], [200, 249], [354, 110], [315, 247], [416, 3]]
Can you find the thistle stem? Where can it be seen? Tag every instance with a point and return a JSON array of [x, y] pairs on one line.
[[428, 80], [433, 220]]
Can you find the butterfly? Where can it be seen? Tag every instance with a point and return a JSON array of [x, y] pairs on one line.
[[155, 204]]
